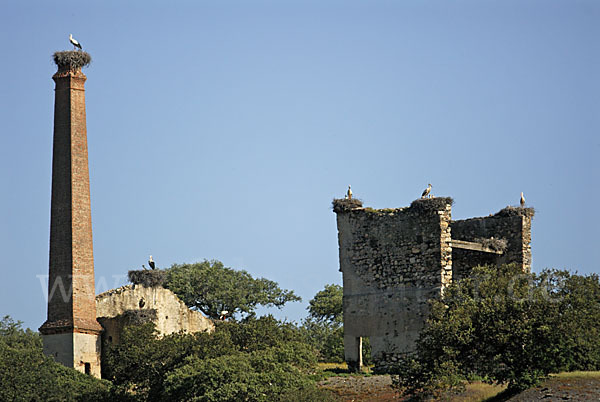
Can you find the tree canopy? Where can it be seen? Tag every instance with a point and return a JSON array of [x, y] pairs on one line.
[[507, 326], [27, 375], [324, 324], [211, 288], [326, 306], [257, 360]]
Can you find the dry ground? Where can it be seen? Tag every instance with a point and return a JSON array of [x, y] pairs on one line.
[[577, 386]]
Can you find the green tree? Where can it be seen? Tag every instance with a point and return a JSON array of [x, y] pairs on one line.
[[324, 325], [27, 375], [326, 306], [326, 339], [265, 360], [506, 326], [211, 288], [255, 360], [138, 364]]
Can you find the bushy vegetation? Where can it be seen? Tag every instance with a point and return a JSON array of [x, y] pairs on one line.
[[252, 359], [506, 326], [211, 287], [499, 325], [257, 360], [324, 326], [27, 375]]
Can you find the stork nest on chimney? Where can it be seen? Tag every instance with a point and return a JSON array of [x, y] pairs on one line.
[[71, 59]]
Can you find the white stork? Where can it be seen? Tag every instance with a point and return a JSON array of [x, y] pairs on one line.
[[426, 191], [349, 193], [522, 200], [151, 263], [74, 42]]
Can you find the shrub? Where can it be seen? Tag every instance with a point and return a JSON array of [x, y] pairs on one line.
[[28, 375], [506, 326], [254, 360]]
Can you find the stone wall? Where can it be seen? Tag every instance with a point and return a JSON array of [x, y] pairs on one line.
[[513, 225], [115, 308], [394, 260], [75, 350]]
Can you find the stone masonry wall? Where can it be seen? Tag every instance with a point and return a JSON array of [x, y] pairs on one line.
[[393, 261], [172, 315], [510, 224]]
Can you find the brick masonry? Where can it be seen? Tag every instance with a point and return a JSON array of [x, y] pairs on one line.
[[71, 290]]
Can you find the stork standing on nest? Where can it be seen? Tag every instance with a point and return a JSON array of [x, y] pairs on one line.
[[349, 193], [522, 200], [151, 263], [74, 42], [426, 191]]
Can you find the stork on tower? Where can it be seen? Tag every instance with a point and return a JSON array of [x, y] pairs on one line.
[[151, 263], [349, 193], [74, 42], [522, 200], [426, 191]]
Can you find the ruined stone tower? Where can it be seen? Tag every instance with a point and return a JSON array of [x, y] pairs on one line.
[[71, 332], [394, 260]]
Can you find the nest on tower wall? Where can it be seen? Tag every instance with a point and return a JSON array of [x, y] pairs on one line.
[[494, 244], [71, 59], [345, 204], [139, 317], [433, 204], [148, 278], [516, 211]]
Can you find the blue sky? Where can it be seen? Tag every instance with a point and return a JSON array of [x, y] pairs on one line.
[[222, 130]]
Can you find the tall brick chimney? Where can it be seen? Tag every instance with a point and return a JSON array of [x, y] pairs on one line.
[[71, 332]]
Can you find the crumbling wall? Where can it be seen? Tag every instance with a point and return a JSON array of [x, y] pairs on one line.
[[393, 261], [510, 225], [118, 307]]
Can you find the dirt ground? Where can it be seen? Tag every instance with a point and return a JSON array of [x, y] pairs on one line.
[[565, 387], [361, 388], [562, 389]]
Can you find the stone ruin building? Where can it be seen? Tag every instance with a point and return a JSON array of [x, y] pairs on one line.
[[78, 321], [394, 260], [136, 304]]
